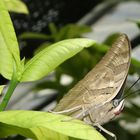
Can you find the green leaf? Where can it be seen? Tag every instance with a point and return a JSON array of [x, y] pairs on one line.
[[53, 29], [101, 48], [16, 6], [9, 52], [32, 35], [111, 39], [49, 58], [43, 126], [71, 31]]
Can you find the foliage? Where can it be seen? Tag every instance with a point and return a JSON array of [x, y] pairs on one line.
[[47, 58], [37, 125], [67, 32], [43, 125], [77, 67]]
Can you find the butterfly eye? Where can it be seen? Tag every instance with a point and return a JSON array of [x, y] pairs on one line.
[[115, 103]]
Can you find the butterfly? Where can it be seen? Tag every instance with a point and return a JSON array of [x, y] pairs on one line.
[[96, 99]]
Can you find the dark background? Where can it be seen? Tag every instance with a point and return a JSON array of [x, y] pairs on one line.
[[59, 12]]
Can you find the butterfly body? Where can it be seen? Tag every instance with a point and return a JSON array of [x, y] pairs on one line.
[[92, 98]]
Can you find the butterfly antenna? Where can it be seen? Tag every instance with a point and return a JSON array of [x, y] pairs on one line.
[[130, 93], [132, 85]]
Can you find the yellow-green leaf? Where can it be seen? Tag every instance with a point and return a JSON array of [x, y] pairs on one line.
[[45, 126], [16, 6], [48, 59], [9, 51]]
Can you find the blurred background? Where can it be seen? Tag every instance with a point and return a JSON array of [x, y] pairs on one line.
[[39, 23]]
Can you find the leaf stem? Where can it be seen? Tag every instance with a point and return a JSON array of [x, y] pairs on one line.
[[11, 88]]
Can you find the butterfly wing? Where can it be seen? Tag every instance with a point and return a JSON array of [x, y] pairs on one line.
[[104, 81]]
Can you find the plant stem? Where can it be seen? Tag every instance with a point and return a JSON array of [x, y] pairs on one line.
[[11, 88]]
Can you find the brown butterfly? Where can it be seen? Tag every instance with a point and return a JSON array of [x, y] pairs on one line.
[[96, 99]]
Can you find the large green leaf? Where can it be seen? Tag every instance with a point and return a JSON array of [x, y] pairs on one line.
[[49, 58], [43, 126], [16, 6], [9, 52]]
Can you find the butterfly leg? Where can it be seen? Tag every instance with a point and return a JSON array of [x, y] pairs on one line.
[[101, 128], [75, 117], [78, 116], [106, 131]]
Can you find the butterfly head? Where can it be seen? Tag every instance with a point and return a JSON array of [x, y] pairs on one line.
[[118, 106]]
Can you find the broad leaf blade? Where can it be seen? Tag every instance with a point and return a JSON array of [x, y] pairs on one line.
[[8, 130], [38, 124], [9, 51], [49, 58], [38, 133], [16, 6]]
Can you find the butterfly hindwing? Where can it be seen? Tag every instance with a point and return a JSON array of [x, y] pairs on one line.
[[104, 81]]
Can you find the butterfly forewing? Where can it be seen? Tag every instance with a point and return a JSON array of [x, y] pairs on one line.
[[103, 82]]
